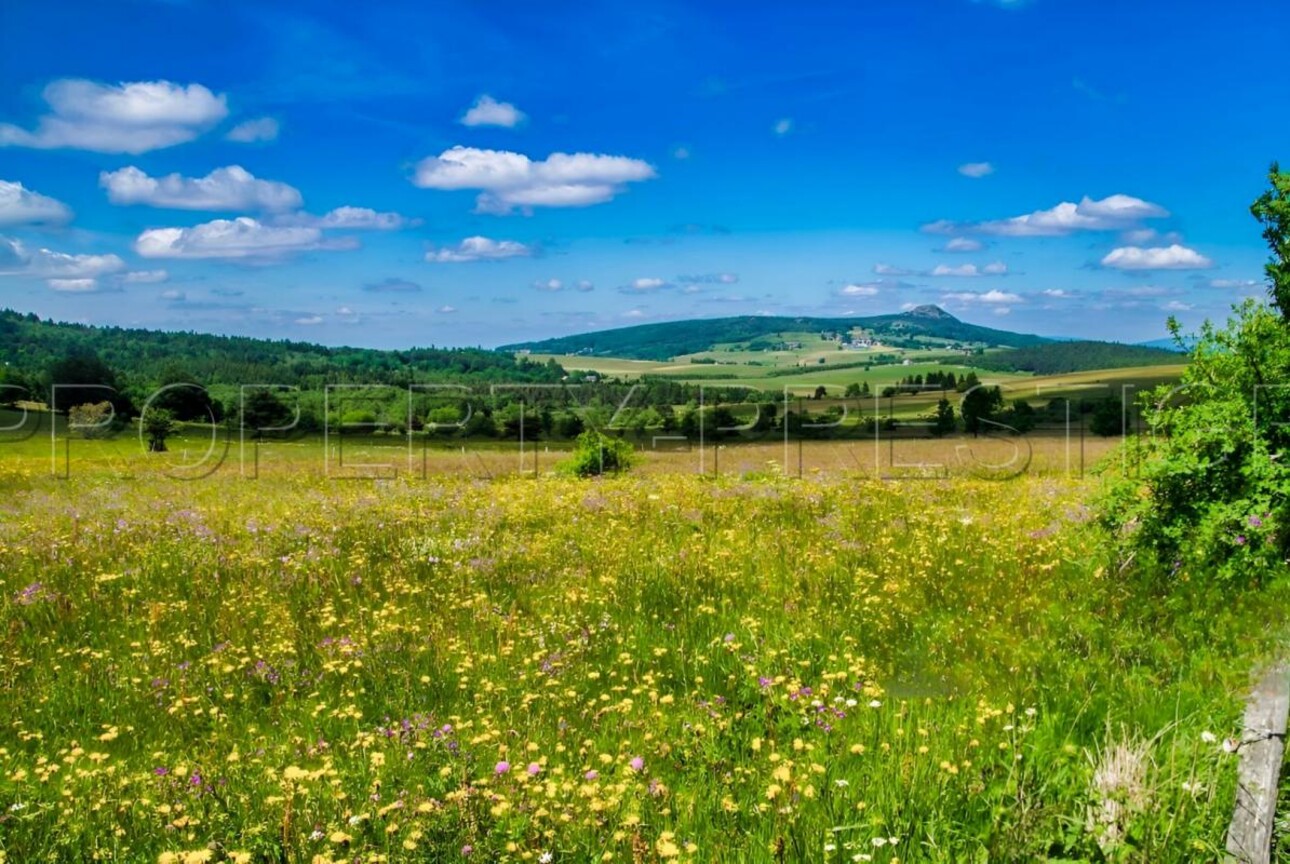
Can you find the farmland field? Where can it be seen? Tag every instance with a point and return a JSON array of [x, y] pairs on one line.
[[663, 666]]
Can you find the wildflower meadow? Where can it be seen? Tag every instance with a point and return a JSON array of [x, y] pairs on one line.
[[652, 667]]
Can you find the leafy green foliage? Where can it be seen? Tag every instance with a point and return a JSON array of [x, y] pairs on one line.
[[596, 453], [1272, 209], [157, 424], [1212, 490], [1212, 494], [943, 422], [979, 404]]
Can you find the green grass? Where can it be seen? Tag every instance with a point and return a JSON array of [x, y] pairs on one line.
[[293, 669]]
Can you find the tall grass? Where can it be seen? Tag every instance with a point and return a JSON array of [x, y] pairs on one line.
[[636, 669]]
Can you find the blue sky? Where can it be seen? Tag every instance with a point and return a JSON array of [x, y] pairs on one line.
[[457, 173]]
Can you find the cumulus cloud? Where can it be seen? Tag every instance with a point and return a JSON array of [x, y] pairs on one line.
[[144, 277], [1176, 306], [858, 290], [976, 170], [228, 188], [549, 285], [1174, 257], [122, 118], [21, 206], [17, 260], [252, 131], [309, 320], [1056, 293], [239, 238], [487, 111], [1113, 213], [392, 285], [353, 218], [509, 180], [645, 285], [997, 268], [585, 285], [964, 244], [988, 297], [446, 310], [479, 249], [1235, 283], [74, 286]]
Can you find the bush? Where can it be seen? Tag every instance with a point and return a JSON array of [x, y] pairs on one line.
[[595, 454], [1212, 490]]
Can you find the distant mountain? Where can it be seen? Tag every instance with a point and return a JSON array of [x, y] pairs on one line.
[[670, 339], [1166, 344]]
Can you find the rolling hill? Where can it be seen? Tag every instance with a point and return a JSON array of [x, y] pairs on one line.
[[923, 326]]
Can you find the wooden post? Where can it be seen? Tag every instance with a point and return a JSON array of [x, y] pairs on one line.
[[1249, 837]]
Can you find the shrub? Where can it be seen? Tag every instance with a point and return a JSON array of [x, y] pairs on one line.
[[595, 454], [1211, 492]]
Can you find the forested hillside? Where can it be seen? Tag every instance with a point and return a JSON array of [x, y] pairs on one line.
[[30, 347], [675, 338], [1059, 358]]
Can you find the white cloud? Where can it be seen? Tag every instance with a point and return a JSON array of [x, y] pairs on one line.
[[487, 111], [352, 218], [1056, 293], [508, 180], [997, 268], [21, 206], [889, 270], [1113, 213], [549, 285], [680, 152], [173, 294], [989, 297], [1235, 283], [1173, 257], [479, 249], [144, 277], [1177, 306], [74, 286], [446, 310], [585, 285], [251, 131], [964, 244], [855, 290], [229, 188], [17, 260], [976, 170], [310, 320], [242, 238], [783, 126], [645, 285], [124, 118]]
